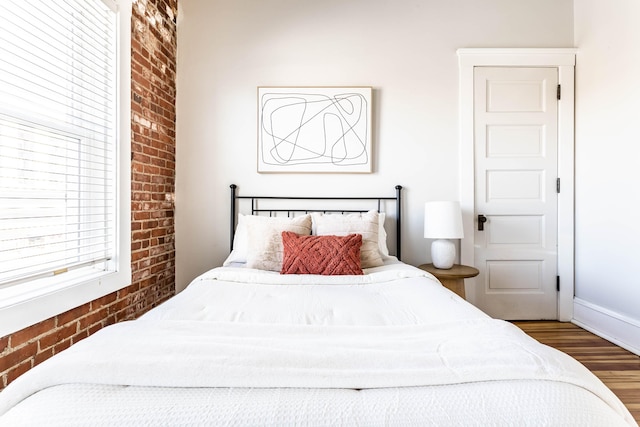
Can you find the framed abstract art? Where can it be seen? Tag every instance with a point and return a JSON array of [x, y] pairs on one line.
[[314, 129]]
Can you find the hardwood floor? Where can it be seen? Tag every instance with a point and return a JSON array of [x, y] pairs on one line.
[[618, 368]]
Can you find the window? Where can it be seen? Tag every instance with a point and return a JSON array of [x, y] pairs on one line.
[[62, 153]]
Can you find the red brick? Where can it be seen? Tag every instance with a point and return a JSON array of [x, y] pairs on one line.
[[140, 177], [18, 356], [62, 345], [152, 152], [140, 235], [92, 319], [150, 224], [58, 335], [136, 256], [95, 328], [105, 300], [80, 336], [73, 314], [42, 356], [141, 216], [19, 370], [32, 332], [110, 320], [124, 293]]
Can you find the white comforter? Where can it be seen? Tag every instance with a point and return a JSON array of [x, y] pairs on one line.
[[244, 329]]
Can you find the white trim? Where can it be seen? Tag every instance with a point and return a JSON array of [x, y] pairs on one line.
[[517, 57], [614, 327], [564, 60], [36, 305]]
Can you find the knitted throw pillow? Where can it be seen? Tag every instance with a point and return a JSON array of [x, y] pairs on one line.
[[326, 255]]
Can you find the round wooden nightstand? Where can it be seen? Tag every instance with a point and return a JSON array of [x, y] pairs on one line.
[[452, 278]]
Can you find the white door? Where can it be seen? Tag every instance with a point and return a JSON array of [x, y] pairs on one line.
[[516, 163]]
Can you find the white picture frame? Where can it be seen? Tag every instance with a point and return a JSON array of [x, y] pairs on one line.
[[314, 129]]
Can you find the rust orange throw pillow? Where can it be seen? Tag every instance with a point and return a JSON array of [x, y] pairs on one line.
[[326, 255]]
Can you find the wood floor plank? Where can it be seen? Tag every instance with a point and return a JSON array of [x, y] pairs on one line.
[[618, 368]]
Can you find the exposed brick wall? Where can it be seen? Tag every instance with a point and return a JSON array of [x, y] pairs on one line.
[[153, 69]]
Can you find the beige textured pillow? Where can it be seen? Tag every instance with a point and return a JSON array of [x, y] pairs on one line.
[[365, 224], [264, 239]]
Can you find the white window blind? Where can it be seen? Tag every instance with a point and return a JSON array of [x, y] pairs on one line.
[[57, 137]]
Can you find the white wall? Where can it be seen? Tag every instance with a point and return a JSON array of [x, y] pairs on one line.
[[608, 169], [405, 49]]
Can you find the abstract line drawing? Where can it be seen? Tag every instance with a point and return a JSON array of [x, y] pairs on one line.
[[321, 129]]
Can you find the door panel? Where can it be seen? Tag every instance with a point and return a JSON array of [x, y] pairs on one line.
[[511, 186], [515, 95], [514, 276], [521, 231], [514, 141], [515, 173]]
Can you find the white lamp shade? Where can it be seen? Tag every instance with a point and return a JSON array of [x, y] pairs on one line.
[[443, 220]]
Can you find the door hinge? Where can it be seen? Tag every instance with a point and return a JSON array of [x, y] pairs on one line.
[[558, 283], [558, 185], [558, 92]]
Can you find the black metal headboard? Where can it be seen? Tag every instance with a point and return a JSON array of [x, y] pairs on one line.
[[256, 209]]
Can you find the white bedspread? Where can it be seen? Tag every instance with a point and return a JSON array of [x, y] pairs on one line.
[[187, 344], [396, 294], [384, 274], [199, 354]]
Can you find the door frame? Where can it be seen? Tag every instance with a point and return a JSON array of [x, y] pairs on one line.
[[564, 59]]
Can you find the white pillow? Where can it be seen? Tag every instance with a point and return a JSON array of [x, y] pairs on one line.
[[382, 236], [264, 239], [239, 252], [366, 224]]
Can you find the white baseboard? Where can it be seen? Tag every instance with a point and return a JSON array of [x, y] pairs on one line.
[[614, 327]]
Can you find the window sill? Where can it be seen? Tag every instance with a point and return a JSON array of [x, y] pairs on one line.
[[27, 304]]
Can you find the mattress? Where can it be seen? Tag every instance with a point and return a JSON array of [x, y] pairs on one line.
[[248, 347]]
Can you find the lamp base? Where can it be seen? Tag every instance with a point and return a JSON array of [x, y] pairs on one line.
[[443, 253]]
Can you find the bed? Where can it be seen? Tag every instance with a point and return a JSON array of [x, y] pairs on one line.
[[284, 334]]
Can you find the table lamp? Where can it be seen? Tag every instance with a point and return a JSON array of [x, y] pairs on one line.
[[443, 221]]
